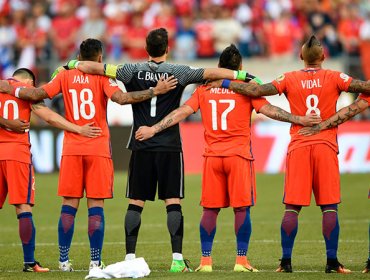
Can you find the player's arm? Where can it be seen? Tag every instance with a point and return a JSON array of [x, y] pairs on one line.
[[30, 94], [358, 86], [176, 116], [279, 114], [18, 126], [338, 118], [163, 86], [249, 89], [56, 120]]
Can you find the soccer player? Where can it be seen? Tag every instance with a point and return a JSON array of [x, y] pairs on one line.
[[86, 164], [228, 173], [343, 115], [16, 170], [309, 159], [160, 159]]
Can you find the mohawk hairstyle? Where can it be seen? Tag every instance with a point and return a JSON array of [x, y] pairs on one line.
[[230, 58], [312, 50]]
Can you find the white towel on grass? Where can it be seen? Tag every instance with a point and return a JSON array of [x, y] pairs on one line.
[[135, 268]]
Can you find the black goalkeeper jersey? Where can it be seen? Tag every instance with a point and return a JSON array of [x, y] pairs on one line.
[[141, 76]]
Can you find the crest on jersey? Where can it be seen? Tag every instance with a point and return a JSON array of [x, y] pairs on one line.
[[280, 78], [112, 82], [344, 76]]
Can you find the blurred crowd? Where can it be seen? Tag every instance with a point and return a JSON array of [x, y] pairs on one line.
[[41, 34]]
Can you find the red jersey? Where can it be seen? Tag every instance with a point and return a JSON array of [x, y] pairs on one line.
[[365, 97], [85, 99], [14, 146], [226, 117], [312, 91]]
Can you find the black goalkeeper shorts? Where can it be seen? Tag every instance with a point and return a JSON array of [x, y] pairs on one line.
[[148, 169]]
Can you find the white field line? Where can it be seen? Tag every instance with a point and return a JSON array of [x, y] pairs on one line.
[[266, 241]]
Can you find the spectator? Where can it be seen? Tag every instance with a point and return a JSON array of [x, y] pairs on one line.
[[226, 29], [8, 38], [94, 25], [134, 38], [185, 42], [204, 37], [65, 30], [39, 12], [348, 32]]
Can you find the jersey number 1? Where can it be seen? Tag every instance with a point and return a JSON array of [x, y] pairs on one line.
[[231, 107], [79, 106]]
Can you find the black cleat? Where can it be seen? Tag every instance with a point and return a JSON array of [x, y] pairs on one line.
[[367, 267], [285, 266], [334, 266]]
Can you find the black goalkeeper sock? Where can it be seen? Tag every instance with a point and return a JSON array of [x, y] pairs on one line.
[[175, 225], [132, 226]]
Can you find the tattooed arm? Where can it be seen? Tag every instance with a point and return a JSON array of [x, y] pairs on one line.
[[340, 117], [279, 114], [163, 86], [176, 116], [358, 86], [249, 89], [54, 119]]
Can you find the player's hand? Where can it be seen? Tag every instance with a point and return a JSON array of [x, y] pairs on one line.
[[310, 120], [214, 84], [144, 133], [165, 85], [5, 87], [88, 130], [57, 71], [18, 126], [308, 131]]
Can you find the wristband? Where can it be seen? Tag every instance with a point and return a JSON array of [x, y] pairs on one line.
[[225, 83], [241, 75], [16, 93], [72, 64], [257, 80], [110, 70]]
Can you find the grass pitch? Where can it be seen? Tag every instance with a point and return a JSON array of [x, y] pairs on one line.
[[154, 242]]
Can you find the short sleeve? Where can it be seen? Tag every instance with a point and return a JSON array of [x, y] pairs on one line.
[[188, 75], [110, 86], [193, 101], [280, 84], [342, 80], [364, 97], [54, 87], [258, 103]]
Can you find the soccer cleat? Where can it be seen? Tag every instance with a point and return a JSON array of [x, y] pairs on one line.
[[336, 267], [242, 265], [180, 266], [66, 266], [94, 264], [205, 264], [367, 267], [34, 267], [285, 266]]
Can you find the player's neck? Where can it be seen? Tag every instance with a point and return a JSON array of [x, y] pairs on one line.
[[158, 59], [313, 65]]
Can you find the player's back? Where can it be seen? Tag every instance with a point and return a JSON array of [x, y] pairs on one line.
[[226, 117], [313, 91], [85, 98], [15, 146], [141, 76]]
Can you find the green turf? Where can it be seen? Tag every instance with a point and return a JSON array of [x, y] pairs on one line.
[[154, 245]]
